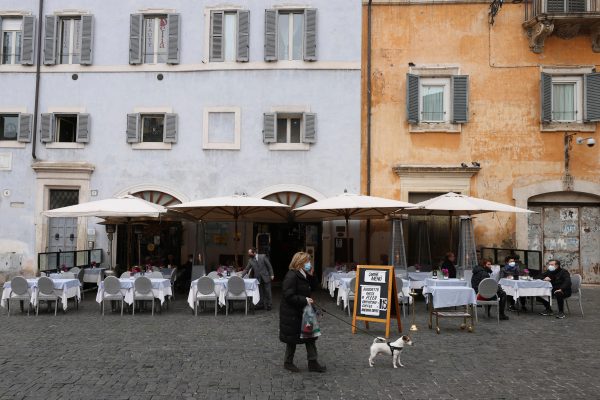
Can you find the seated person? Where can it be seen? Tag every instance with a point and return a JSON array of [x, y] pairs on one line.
[[481, 272], [448, 264], [511, 271], [561, 287]]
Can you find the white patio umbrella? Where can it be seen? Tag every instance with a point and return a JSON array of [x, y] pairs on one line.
[[350, 206]]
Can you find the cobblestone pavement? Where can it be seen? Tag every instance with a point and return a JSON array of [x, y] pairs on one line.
[[174, 355]]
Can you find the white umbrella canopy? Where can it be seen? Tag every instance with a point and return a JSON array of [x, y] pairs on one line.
[[125, 206], [234, 207], [460, 204]]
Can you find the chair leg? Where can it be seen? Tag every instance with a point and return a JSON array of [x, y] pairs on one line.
[[476, 313], [103, 307], [55, 307], [196, 307], [133, 312], [580, 305], [246, 306], [216, 307], [498, 312], [122, 301], [153, 307]]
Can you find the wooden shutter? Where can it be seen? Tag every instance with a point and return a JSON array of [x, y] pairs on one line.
[[460, 99], [270, 35], [174, 24], [1, 36], [24, 130], [412, 98], [83, 128], [170, 128], [546, 97], [269, 127], [591, 97], [216, 35], [87, 39], [133, 130], [243, 36], [47, 128], [50, 40], [27, 40], [310, 34], [136, 24], [309, 132]]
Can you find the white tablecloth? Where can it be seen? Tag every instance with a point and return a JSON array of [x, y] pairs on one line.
[[452, 296], [430, 283], [325, 276], [221, 290], [161, 288], [93, 275], [417, 279], [344, 288], [521, 288], [68, 288], [333, 281]]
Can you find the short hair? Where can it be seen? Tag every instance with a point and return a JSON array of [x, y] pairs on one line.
[[556, 261], [298, 261], [485, 261], [253, 249], [511, 257]]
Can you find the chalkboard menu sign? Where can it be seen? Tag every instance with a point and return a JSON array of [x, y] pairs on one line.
[[376, 296]]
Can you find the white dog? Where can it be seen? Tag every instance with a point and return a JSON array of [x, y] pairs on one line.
[[382, 346]]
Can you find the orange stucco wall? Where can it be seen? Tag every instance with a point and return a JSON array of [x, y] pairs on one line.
[[503, 132]]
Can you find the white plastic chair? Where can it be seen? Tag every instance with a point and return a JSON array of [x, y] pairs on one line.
[[351, 294], [173, 278], [236, 291], [213, 275], [67, 275], [19, 290], [575, 292], [351, 273], [46, 292], [142, 291], [125, 274], [112, 291], [75, 270], [155, 275], [206, 292], [488, 288]]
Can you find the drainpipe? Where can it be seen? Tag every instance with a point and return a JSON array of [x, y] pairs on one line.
[[369, 30], [37, 79]]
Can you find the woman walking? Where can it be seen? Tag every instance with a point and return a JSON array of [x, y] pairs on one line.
[[296, 289]]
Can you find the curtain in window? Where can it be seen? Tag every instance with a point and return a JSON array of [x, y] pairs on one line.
[[563, 102], [284, 36], [433, 103]]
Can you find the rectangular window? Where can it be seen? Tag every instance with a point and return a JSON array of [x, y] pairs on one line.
[[66, 128], [11, 40], [567, 99], [153, 127], [288, 129], [290, 35], [8, 126], [434, 99], [221, 127], [155, 43], [69, 40]]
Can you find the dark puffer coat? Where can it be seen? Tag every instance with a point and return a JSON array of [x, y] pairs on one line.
[[295, 289]]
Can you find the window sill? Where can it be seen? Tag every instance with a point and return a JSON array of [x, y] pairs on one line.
[[289, 146], [221, 146], [60, 145], [444, 127], [568, 126], [151, 146], [11, 144]]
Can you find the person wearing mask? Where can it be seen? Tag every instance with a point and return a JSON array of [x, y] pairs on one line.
[[481, 272], [263, 271], [449, 264], [296, 288], [561, 287], [511, 270]]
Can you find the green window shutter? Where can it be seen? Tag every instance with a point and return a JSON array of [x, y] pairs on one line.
[[136, 24], [174, 24], [591, 99], [460, 99], [170, 135], [216, 35], [50, 40], [83, 128], [27, 40], [133, 129], [310, 34], [87, 39], [47, 128], [546, 97], [25, 128], [309, 133], [269, 127], [270, 35], [243, 36], [412, 98]]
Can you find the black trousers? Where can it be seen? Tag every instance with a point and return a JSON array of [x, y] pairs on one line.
[[264, 289], [560, 300], [311, 351], [522, 300]]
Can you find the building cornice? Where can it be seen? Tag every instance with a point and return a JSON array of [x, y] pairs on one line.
[[52, 167], [410, 170]]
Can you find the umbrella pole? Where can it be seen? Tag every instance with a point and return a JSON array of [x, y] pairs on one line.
[[450, 233], [128, 244], [237, 242], [347, 242]]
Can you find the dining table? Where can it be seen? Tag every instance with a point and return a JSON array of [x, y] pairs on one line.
[[66, 289], [527, 288], [251, 284], [161, 289]]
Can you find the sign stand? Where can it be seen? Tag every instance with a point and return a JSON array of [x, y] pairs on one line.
[[375, 296]]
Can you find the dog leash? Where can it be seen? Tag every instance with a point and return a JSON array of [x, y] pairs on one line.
[[324, 311]]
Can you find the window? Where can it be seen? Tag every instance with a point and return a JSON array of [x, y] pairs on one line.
[[154, 39], [229, 35], [291, 35], [68, 40], [435, 102], [290, 131], [570, 99], [11, 40], [65, 128], [152, 128], [221, 128], [566, 96], [15, 127], [9, 124]]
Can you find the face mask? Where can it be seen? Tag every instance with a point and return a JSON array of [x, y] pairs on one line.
[[307, 267], [511, 264], [551, 268]]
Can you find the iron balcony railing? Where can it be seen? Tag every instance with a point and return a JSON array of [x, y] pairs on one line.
[[534, 8], [55, 261]]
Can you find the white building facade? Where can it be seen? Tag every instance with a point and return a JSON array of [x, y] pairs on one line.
[[175, 100]]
